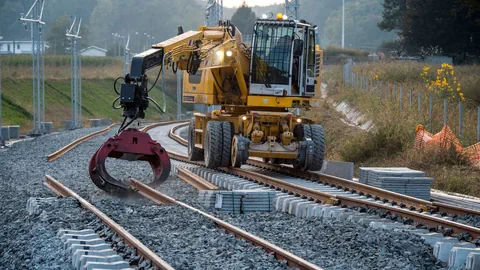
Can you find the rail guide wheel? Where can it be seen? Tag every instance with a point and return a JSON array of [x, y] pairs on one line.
[[239, 151], [312, 147]]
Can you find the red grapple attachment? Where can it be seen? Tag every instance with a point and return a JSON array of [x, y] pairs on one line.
[[129, 145]]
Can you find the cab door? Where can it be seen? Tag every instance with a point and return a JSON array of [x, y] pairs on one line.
[[309, 67]]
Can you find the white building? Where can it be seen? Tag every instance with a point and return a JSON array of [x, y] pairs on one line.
[[94, 51], [16, 47]]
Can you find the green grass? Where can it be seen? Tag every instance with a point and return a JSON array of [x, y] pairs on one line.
[[390, 143], [98, 74], [97, 97], [59, 60]]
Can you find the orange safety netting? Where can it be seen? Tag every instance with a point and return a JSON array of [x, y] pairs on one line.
[[445, 139]]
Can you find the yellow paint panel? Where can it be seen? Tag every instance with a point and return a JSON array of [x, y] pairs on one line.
[[272, 101]]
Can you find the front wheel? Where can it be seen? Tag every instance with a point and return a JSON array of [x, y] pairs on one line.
[[213, 145], [318, 138]]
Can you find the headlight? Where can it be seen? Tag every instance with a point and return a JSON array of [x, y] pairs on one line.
[[299, 120], [244, 118], [264, 16], [229, 53], [285, 17]]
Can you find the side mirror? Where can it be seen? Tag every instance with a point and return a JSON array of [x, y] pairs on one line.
[[297, 47]]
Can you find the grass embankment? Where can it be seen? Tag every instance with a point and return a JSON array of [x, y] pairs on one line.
[[97, 90], [390, 143]]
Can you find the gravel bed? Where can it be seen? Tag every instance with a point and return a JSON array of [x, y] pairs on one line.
[[28, 241], [334, 244], [471, 220], [178, 235], [185, 239]]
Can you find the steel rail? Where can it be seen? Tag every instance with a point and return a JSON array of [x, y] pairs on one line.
[[339, 200], [410, 202], [177, 138], [129, 239], [377, 193], [60, 152], [196, 181], [348, 185], [280, 254], [154, 125]]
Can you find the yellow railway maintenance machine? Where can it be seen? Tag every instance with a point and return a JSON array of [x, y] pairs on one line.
[[261, 90]]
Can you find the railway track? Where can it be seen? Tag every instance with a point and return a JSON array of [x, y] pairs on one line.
[[60, 152], [321, 190], [280, 254], [346, 193], [128, 239], [431, 214], [159, 198]]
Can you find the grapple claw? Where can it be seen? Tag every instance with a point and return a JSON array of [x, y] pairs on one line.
[[131, 145]]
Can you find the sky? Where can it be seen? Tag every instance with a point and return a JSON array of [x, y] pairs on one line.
[[237, 3]]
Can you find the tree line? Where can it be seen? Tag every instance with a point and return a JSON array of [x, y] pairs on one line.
[[433, 27]]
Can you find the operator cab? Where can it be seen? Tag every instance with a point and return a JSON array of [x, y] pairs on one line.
[[283, 58]]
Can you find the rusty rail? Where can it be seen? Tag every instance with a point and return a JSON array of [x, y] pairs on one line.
[[152, 126], [177, 138], [340, 200], [60, 152], [196, 181], [280, 254], [129, 239], [322, 197], [348, 185], [374, 192]]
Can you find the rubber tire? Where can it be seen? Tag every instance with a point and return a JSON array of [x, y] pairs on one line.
[[318, 137], [194, 153], [227, 135], [301, 132], [213, 145]]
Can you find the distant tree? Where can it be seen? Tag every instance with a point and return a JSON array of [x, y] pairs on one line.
[[55, 36], [393, 13], [244, 19], [446, 27], [473, 9]]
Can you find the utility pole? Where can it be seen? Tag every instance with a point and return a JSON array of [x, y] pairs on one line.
[[73, 34], [138, 42], [34, 17], [343, 24], [126, 56], [213, 12], [354, 43], [1, 137], [292, 8]]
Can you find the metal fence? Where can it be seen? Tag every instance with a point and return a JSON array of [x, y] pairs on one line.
[[411, 100]]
